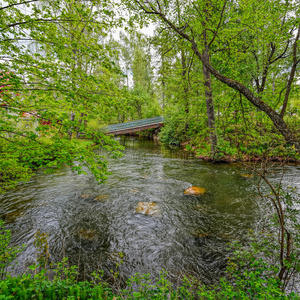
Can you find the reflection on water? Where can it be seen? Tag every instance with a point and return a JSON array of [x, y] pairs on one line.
[[92, 224]]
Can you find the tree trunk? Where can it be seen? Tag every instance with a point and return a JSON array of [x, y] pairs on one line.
[[184, 79], [72, 118], [79, 125], [185, 88], [208, 90], [210, 112], [292, 75], [163, 83]]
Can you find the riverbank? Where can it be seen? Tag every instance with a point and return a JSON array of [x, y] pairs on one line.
[[276, 154], [139, 287], [235, 142]]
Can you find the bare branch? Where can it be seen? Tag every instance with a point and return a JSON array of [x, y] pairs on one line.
[[292, 74], [16, 4], [219, 24]]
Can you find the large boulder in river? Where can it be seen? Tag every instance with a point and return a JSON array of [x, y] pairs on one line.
[[195, 190], [147, 208]]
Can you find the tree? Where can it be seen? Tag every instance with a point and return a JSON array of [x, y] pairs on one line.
[[254, 38], [137, 62], [54, 60]]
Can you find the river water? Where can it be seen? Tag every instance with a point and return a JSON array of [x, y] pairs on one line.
[[91, 224]]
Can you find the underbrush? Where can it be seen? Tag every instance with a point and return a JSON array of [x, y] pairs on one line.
[[248, 285], [237, 140], [19, 160], [241, 146]]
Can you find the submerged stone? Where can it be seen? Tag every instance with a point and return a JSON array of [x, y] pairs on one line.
[[87, 234], [225, 236], [116, 256], [195, 190], [200, 208], [101, 198], [11, 217], [247, 175], [201, 234], [147, 208]]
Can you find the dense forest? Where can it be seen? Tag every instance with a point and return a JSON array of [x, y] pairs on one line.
[[224, 75]]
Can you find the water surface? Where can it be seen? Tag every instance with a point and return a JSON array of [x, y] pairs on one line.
[[91, 224]]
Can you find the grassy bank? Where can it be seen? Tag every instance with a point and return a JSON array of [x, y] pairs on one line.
[[236, 141]]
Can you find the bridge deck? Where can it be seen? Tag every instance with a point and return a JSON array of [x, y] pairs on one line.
[[129, 127]]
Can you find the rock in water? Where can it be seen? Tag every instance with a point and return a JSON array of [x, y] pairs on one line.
[[247, 175], [87, 234], [11, 217], [195, 190], [146, 208], [201, 208], [200, 234], [101, 198]]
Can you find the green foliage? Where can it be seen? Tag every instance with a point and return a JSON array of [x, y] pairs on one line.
[[39, 287], [11, 173], [240, 141], [141, 100], [59, 75], [7, 253], [173, 131], [21, 158], [246, 286]]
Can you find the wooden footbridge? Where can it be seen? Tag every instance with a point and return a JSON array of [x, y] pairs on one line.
[[134, 126]]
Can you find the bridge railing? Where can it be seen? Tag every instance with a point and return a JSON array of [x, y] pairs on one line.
[[142, 124]]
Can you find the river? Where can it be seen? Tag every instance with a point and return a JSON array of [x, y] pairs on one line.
[[91, 224]]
